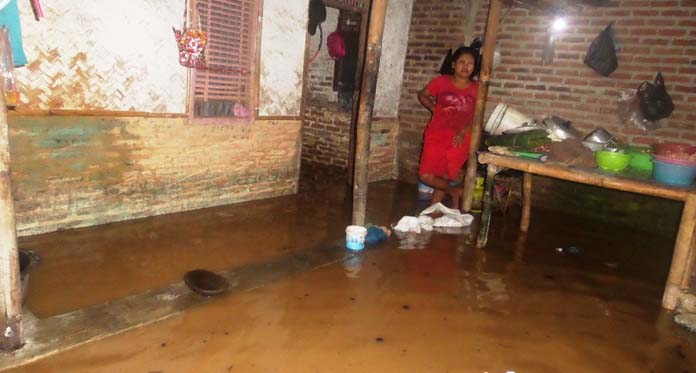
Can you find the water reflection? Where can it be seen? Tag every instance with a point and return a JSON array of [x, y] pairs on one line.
[[353, 265], [413, 241]]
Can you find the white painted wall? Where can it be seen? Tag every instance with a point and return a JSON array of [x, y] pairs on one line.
[[391, 67]]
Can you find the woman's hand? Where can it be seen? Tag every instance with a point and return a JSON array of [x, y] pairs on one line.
[[426, 99], [458, 139]]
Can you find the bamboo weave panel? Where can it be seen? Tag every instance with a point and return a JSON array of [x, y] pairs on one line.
[[102, 55]]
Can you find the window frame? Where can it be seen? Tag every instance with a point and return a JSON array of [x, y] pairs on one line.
[[254, 72]]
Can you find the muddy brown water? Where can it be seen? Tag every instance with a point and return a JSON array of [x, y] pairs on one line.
[[413, 304]]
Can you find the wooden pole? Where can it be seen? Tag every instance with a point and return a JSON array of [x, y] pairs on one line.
[[364, 21], [365, 108], [484, 81], [10, 292], [677, 280], [526, 201]]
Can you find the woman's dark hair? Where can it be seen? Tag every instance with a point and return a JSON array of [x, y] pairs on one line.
[[452, 57]]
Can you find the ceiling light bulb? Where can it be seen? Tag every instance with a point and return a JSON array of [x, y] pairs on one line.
[[559, 24]]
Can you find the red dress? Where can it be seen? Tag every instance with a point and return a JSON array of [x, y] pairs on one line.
[[454, 110]]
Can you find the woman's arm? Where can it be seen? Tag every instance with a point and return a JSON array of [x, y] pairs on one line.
[[426, 99]]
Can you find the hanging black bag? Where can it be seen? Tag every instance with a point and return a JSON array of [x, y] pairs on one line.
[[655, 102], [601, 56]]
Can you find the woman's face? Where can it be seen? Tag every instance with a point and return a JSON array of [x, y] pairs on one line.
[[464, 66]]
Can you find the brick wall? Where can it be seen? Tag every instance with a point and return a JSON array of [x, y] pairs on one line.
[[436, 26], [325, 140], [656, 36], [70, 172]]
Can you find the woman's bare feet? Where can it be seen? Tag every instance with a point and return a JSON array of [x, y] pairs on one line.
[[456, 194]]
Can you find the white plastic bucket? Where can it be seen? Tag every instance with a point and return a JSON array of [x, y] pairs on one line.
[[504, 118], [355, 237]]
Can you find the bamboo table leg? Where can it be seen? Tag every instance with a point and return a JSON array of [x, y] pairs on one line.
[[679, 275], [526, 201], [487, 205]]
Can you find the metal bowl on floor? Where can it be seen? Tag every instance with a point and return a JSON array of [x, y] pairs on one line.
[[205, 282]]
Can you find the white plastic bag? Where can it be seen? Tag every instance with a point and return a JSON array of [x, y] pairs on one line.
[[630, 113]]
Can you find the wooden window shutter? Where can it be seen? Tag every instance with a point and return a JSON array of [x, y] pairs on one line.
[[231, 28]]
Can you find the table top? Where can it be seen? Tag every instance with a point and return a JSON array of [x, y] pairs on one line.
[[595, 176]]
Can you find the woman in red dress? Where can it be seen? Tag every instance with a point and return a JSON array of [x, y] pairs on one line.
[[451, 99]]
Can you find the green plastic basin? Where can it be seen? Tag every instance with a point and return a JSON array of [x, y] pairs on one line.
[[612, 161], [641, 161]]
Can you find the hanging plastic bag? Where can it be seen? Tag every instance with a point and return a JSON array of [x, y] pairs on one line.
[[630, 113], [601, 56], [191, 43], [655, 102]]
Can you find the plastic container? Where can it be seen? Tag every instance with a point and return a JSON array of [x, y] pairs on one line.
[[641, 161], [612, 161], [681, 162], [355, 237], [674, 174], [673, 147], [504, 118]]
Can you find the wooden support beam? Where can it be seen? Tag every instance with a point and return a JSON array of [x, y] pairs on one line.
[[484, 81], [362, 42], [11, 336], [365, 107], [526, 201], [94, 113], [680, 270]]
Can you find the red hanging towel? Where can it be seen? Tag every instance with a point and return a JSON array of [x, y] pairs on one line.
[[36, 7]]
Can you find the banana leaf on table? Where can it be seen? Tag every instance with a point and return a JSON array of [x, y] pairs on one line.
[[526, 141]]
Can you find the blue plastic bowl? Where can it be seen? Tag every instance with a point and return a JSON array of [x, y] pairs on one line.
[[674, 174]]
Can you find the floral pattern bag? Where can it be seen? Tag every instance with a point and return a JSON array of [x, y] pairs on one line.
[[191, 43]]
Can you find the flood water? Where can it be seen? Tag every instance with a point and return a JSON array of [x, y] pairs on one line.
[[570, 296]]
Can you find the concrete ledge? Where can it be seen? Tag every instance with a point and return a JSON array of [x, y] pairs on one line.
[[55, 334]]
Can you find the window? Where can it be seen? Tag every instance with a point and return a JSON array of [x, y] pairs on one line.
[[225, 92]]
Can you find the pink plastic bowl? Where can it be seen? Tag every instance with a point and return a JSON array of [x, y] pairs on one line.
[[681, 162], [673, 147]]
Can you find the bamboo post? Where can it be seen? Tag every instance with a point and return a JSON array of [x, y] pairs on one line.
[[365, 108], [484, 81], [10, 292], [526, 201], [677, 280], [364, 20]]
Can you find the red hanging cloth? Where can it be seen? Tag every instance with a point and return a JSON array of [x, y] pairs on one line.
[[36, 7]]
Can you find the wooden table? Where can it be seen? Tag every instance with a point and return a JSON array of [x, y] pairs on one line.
[[682, 265]]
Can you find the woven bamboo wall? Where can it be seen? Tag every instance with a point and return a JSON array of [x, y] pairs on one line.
[[110, 55], [282, 57]]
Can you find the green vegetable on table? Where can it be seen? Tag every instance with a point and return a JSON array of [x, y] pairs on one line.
[[525, 141]]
